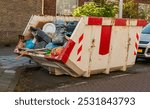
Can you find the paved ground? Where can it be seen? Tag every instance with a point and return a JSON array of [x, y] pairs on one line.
[[30, 77], [8, 68], [131, 82], [136, 79]]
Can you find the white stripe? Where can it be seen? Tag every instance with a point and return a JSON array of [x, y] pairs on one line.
[[120, 75], [80, 83]]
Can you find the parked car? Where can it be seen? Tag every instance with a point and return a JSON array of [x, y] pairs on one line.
[[144, 44]]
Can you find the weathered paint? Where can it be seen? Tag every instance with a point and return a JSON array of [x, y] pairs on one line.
[[97, 45], [105, 40]]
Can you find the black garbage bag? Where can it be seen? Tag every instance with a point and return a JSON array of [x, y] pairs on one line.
[[58, 38], [70, 27], [41, 37]]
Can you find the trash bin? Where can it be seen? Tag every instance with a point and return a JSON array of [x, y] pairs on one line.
[[97, 45]]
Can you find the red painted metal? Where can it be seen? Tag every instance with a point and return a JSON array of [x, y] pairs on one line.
[[81, 38], [135, 53], [79, 59], [120, 22], [105, 40], [94, 21], [137, 36], [136, 45], [67, 51], [141, 22], [79, 49]]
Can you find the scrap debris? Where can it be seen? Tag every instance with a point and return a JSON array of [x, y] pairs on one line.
[[48, 41]]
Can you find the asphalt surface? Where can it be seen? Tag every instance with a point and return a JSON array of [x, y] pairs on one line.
[[19, 75], [135, 79], [9, 67]]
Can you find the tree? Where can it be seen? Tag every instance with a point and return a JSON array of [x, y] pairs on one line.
[[100, 8], [144, 12], [100, 2], [130, 9]]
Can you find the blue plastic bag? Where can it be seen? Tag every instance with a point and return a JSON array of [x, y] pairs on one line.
[[51, 46], [29, 44]]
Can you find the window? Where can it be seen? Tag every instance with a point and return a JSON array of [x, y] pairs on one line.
[[65, 7]]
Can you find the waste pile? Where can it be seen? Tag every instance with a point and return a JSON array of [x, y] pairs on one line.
[[49, 40]]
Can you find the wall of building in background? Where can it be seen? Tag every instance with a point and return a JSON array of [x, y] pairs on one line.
[[146, 9], [49, 7], [14, 16], [61, 7], [65, 7]]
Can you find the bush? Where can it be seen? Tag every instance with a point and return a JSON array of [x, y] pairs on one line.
[[130, 9], [92, 9]]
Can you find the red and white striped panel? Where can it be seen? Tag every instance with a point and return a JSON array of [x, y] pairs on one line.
[[115, 22], [79, 50], [136, 44], [105, 38], [107, 24]]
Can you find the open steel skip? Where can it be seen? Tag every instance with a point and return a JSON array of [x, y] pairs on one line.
[[97, 45]]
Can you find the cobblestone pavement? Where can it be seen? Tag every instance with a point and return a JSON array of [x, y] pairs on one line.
[[135, 79], [8, 67], [139, 82]]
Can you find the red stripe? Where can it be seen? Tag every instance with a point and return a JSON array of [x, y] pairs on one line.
[[137, 36], [120, 22], [81, 38], [141, 22], [105, 40], [135, 53], [94, 21], [67, 51], [79, 59], [136, 45], [79, 50]]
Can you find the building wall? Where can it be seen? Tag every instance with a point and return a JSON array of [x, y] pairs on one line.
[[50, 7], [14, 16], [81, 2]]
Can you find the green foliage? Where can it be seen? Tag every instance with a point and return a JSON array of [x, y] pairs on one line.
[[100, 2], [130, 9], [107, 9], [144, 12]]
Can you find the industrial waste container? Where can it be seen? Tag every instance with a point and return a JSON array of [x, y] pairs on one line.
[[97, 45]]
